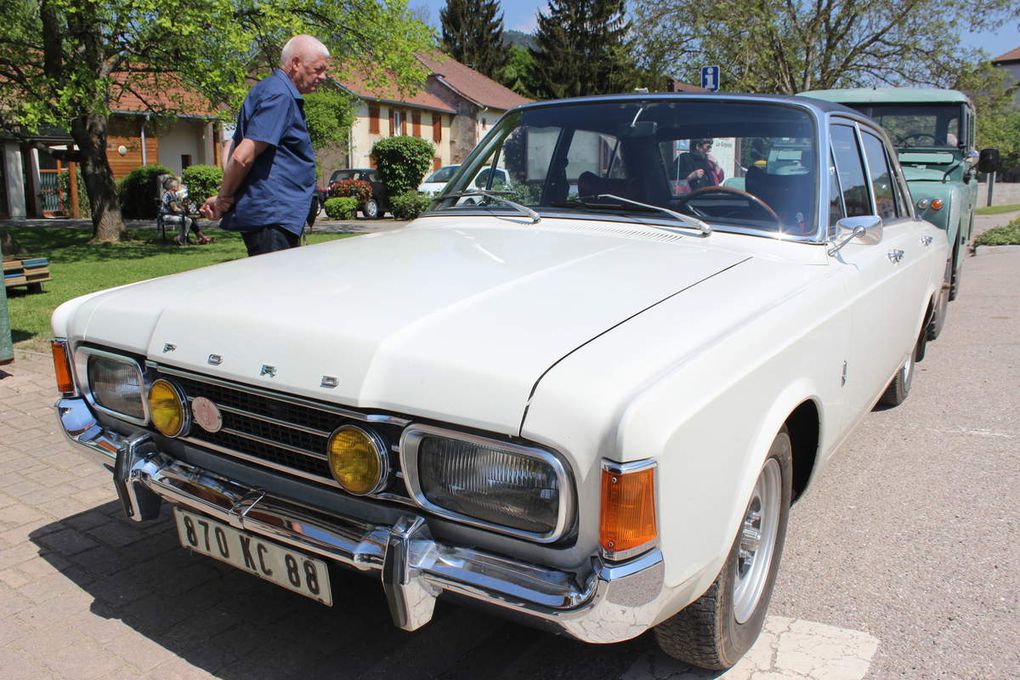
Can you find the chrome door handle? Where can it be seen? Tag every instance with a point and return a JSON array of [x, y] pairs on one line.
[[926, 240], [895, 255]]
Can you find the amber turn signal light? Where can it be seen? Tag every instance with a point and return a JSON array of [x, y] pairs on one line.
[[627, 522], [62, 366], [937, 204]]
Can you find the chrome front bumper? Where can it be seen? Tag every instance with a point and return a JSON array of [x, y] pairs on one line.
[[614, 602]]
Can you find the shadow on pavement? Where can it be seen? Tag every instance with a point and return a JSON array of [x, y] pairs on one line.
[[236, 626]]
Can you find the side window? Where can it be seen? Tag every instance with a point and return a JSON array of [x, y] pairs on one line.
[[852, 182], [836, 209], [881, 176]]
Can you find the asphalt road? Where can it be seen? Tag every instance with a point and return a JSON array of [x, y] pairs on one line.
[[902, 562]]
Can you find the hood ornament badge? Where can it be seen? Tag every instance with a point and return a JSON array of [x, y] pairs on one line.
[[169, 347], [215, 359], [206, 414], [329, 381], [268, 370]]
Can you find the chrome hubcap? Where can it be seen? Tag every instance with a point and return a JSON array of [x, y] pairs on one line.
[[757, 541]]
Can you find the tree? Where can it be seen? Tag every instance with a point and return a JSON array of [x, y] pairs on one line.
[[580, 49], [998, 119], [63, 62], [329, 113], [517, 73], [781, 46], [473, 34]]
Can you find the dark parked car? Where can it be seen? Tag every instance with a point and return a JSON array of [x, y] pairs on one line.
[[377, 205]]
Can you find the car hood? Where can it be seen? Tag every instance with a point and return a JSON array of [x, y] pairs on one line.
[[440, 318], [918, 174]]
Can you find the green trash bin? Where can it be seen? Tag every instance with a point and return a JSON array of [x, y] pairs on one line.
[[6, 347]]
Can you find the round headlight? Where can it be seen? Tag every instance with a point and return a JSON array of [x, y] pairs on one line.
[[358, 460], [166, 408]]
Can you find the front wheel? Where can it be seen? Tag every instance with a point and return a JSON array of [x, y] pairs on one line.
[[719, 627]]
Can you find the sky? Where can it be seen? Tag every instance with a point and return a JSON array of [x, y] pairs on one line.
[[520, 15]]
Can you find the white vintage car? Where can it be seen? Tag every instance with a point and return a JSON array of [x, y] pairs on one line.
[[587, 402]]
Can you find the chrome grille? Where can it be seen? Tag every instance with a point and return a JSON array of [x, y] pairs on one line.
[[280, 431]]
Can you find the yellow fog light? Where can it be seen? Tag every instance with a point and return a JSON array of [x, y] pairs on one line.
[[358, 460], [166, 408]]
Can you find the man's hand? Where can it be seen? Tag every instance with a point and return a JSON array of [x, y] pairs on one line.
[[216, 207], [697, 174]]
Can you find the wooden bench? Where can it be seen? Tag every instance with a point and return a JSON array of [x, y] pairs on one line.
[[29, 272]]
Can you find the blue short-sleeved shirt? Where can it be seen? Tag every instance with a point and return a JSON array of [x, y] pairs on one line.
[[278, 189]]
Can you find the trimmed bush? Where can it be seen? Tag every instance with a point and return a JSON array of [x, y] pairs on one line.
[[409, 205], [358, 188], [403, 162], [140, 191], [341, 207], [202, 181]]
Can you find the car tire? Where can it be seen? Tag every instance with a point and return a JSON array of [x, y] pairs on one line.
[[954, 283], [370, 209], [938, 319], [718, 628], [898, 390]]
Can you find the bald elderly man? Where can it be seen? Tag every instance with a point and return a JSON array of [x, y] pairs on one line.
[[270, 175]]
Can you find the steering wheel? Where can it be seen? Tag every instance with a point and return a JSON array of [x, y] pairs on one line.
[[905, 139], [720, 189]]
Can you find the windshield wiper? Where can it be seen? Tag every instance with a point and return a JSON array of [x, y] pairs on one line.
[[522, 209], [687, 221]]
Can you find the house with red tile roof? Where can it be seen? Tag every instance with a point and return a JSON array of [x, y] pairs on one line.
[[1010, 61], [154, 119], [455, 107]]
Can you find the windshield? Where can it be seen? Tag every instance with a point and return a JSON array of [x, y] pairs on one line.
[[918, 125], [750, 165], [442, 174]]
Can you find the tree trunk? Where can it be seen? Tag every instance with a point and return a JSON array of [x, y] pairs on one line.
[[89, 133]]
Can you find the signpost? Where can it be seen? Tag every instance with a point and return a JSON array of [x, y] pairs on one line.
[[710, 78]]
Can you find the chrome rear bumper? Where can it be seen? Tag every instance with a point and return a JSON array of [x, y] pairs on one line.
[[613, 602]]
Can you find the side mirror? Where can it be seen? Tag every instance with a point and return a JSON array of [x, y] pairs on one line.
[[866, 228], [988, 161]]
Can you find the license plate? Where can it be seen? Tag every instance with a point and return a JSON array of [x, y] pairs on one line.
[[255, 555]]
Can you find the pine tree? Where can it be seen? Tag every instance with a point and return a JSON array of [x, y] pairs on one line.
[[581, 49], [473, 34]]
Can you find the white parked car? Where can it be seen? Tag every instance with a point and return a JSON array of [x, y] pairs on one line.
[[436, 182], [590, 409]]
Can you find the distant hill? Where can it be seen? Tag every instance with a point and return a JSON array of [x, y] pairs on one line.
[[514, 38]]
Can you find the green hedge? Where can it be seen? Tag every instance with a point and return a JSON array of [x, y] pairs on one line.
[[403, 162], [140, 192], [409, 205], [202, 181], [341, 207]]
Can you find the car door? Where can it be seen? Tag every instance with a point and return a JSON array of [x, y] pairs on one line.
[[885, 282]]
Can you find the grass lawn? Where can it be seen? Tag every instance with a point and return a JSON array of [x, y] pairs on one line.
[[997, 209], [79, 268], [1006, 235]]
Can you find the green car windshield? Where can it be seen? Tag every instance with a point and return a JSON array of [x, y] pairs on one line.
[[735, 164]]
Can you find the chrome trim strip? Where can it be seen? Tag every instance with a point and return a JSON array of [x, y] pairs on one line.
[[326, 408], [80, 364], [201, 443], [409, 442], [272, 421]]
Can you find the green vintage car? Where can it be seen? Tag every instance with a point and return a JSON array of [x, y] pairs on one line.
[[934, 134]]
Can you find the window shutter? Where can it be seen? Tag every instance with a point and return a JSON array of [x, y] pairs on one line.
[[437, 127], [416, 123], [437, 162], [373, 119]]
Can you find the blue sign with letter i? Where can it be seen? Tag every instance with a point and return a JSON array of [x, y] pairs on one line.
[[710, 78]]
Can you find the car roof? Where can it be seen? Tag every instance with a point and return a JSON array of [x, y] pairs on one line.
[[889, 95], [802, 102]]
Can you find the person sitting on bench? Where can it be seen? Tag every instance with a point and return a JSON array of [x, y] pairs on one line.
[[174, 211]]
